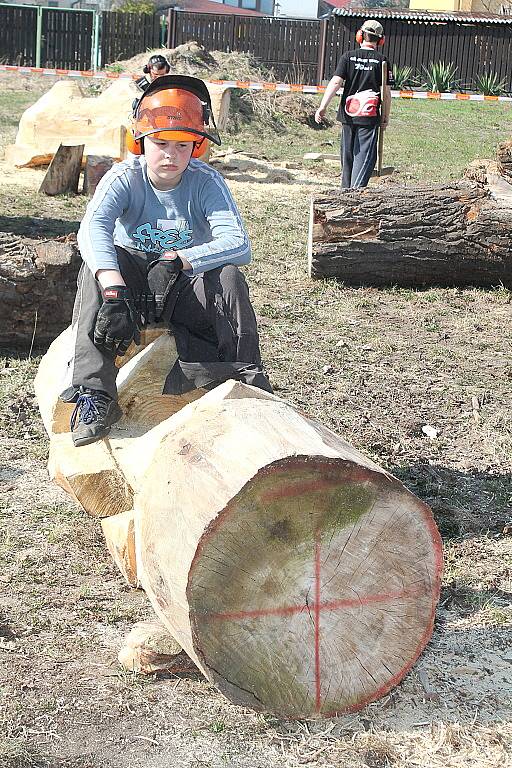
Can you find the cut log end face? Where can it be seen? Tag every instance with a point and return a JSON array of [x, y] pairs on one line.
[[314, 591]]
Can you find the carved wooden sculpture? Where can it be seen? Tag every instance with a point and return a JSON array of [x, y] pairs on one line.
[[299, 576]]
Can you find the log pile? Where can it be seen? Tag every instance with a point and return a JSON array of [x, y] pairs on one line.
[[299, 576], [456, 234]]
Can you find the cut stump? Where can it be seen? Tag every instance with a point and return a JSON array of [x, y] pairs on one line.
[[63, 173], [96, 167], [299, 577]]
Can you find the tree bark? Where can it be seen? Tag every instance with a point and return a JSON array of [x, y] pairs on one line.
[[96, 167], [63, 173], [37, 288], [450, 234], [299, 576]]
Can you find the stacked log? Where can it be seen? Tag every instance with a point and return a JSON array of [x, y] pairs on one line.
[[299, 576]]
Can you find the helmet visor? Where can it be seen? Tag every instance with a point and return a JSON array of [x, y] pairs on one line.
[[171, 123]]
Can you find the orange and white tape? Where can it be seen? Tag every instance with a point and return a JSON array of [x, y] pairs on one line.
[[248, 84]]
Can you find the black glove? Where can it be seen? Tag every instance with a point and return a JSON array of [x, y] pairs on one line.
[[162, 274], [117, 320]]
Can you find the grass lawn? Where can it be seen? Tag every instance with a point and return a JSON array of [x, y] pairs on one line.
[[426, 140]]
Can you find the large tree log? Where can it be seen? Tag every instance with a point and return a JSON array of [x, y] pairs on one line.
[[450, 234], [299, 576], [37, 287]]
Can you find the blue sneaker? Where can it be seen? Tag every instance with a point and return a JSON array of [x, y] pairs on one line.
[[93, 416]]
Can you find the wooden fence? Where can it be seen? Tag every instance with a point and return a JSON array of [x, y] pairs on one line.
[[297, 50], [290, 47], [474, 48], [125, 34], [66, 38], [17, 39]]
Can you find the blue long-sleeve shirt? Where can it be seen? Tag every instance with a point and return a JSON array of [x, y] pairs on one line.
[[199, 218]]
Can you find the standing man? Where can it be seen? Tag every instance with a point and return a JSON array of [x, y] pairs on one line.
[[360, 112]]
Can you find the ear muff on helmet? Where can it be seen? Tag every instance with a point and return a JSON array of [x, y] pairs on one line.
[[133, 145], [360, 38], [158, 61], [200, 147]]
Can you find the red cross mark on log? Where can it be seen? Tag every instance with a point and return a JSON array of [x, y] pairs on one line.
[[373, 539], [332, 605]]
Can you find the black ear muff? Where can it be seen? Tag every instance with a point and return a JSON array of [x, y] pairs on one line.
[[146, 69], [206, 114]]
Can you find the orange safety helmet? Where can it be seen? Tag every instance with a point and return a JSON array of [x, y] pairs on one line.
[[173, 108]]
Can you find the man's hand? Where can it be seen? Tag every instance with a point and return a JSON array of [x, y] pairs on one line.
[[116, 322], [319, 115], [162, 274]]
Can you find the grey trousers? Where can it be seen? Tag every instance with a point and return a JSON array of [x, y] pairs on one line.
[[358, 154], [210, 315]]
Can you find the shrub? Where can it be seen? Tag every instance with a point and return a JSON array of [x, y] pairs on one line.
[[403, 77], [136, 6], [440, 76], [489, 84]]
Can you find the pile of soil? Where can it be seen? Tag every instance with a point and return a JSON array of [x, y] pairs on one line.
[[258, 109], [194, 59]]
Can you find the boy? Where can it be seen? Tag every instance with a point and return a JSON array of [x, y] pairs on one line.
[[360, 110], [161, 240], [157, 66]]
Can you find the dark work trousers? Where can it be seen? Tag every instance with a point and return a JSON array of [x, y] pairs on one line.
[[210, 315], [358, 154]]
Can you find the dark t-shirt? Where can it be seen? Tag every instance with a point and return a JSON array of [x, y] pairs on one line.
[[361, 70]]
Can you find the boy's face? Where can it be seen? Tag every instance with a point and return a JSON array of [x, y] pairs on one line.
[[166, 161], [155, 72]]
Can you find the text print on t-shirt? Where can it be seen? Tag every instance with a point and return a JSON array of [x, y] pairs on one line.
[[362, 104], [165, 236]]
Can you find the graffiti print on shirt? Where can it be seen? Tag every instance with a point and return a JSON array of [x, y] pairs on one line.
[[167, 235], [362, 104]]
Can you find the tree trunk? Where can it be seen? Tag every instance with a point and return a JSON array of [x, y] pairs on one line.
[[451, 234], [299, 576], [37, 288]]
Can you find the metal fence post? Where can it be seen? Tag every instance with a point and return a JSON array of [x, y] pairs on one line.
[[171, 28], [320, 71], [96, 51], [39, 33]]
